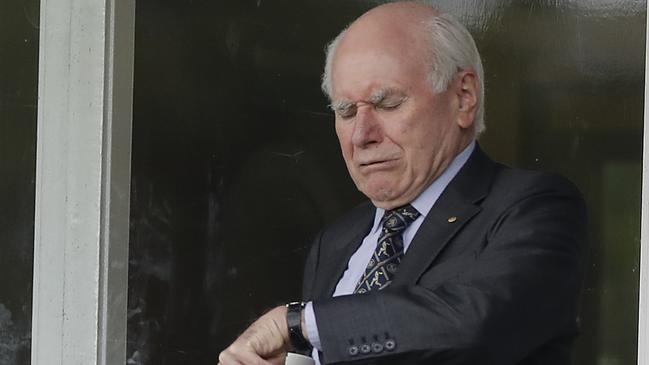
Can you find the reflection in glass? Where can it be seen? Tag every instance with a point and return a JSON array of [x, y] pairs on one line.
[[236, 165]]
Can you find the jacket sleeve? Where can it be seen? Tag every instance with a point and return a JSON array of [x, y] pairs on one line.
[[518, 291]]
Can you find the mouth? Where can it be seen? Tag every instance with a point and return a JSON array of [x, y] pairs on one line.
[[377, 164], [363, 164]]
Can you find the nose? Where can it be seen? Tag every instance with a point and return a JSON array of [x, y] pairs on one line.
[[367, 129]]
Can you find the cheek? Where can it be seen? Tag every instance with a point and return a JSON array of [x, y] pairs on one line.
[[344, 138], [341, 131], [413, 136]]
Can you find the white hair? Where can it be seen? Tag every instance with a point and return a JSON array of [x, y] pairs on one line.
[[452, 49]]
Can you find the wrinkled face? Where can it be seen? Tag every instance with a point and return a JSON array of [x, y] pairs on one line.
[[396, 135]]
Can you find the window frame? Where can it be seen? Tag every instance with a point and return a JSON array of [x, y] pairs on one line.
[[83, 181]]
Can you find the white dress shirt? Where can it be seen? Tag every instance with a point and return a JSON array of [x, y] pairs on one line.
[[358, 261]]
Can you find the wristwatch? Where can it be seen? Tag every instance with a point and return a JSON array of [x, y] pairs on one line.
[[294, 321]]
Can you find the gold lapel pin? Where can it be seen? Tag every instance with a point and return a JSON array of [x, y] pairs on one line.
[[452, 219]]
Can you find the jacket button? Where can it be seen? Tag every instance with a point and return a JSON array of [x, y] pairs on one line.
[[352, 350], [366, 349], [390, 345], [377, 347]]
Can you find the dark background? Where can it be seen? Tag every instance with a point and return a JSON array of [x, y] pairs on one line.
[[236, 165], [18, 99]]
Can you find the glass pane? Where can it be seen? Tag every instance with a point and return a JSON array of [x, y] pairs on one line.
[[565, 93], [18, 99], [236, 164]]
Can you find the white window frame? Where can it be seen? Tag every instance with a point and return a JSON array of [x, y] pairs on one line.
[[83, 182]]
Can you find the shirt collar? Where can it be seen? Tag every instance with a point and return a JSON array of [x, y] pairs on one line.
[[425, 201]]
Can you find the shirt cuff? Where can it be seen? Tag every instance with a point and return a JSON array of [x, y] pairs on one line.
[[311, 326]]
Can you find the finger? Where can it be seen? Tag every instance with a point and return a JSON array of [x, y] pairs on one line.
[[235, 355], [250, 358], [279, 359], [227, 358]]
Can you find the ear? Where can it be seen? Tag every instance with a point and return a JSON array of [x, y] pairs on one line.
[[467, 96]]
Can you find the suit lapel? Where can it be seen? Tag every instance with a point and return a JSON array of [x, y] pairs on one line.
[[455, 207], [335, 254], [446, 218]]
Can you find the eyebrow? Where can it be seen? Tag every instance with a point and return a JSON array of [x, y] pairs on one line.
[[341, 105], [374, 100], [383, 94]]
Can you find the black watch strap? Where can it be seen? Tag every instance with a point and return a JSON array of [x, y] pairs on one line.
[[294, 322]]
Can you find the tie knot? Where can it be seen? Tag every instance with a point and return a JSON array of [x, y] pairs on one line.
[[398, 219]]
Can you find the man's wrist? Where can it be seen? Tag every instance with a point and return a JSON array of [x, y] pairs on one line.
[[296, 327]]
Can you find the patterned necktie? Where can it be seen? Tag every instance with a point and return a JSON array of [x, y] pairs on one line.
[[389, 250]]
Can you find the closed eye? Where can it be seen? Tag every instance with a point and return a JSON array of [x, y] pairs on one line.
[[388, 106], [391, 103], [346, 112]]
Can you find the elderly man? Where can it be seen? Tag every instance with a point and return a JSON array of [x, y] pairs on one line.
[[455, 259]]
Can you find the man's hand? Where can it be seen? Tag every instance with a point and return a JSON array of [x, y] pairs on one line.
[[265, 342]]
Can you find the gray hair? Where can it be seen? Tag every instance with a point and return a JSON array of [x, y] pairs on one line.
[[452, 49]]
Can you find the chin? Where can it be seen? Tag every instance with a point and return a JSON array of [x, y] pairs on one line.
[[388, 204], [385, 199], [378, 193]]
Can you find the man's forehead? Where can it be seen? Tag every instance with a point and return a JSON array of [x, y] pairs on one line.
[[364, 71], [385, 37], [384, 31], [386, 48]]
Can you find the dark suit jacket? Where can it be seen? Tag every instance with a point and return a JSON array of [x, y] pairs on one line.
[[499, 284]]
